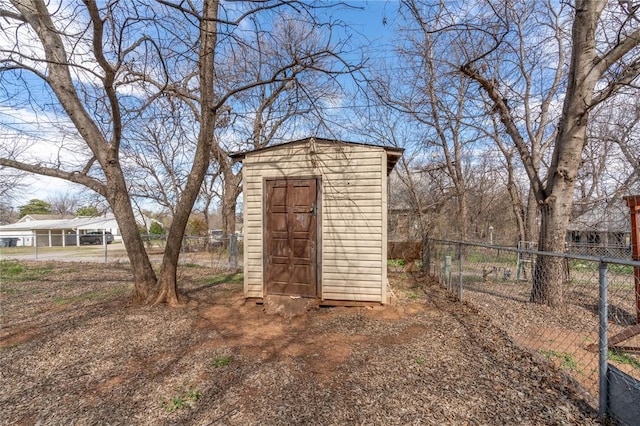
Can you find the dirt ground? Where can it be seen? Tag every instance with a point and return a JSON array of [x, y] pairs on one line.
[[73, 350], [566, 334]]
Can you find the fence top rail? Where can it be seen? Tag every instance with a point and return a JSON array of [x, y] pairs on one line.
[[600, 259]]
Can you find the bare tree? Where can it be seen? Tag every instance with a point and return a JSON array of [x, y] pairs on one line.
[[10, 186], [610, 159], [110, 66], [209, 193], [418, 183], [52, 47], [525, 65], [269, 82], [64, 204], [436, 99], [524, 212], [519, 78], [603, 61], [614, 146], [160, 152]]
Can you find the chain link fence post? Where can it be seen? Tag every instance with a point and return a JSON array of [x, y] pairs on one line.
[[447, 271], [426, 254], [233, 252], [460, 256], [603, 344], [105, 244]]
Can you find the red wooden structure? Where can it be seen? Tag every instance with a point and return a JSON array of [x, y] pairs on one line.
[[633, 201]]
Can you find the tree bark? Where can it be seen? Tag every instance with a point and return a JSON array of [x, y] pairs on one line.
[[548, 274], [426, 253], [167, 289], [232, 190], [531, 214], [516, 203], [463, 211], [144, 277]]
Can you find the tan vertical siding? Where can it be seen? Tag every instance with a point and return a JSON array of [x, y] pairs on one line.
[[353, 215], [385, 195]]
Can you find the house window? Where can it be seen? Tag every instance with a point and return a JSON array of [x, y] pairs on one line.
[[593, 238]]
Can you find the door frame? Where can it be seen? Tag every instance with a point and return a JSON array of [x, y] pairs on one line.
[[318, 254]]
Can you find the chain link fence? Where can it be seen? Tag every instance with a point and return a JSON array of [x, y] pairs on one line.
[[593, 335], [618, 251], [224, 254], [216, 252]]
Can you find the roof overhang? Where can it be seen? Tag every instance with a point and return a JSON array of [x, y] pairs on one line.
[[393, 153]]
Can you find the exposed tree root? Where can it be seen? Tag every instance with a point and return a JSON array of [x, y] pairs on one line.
[[169, 296]]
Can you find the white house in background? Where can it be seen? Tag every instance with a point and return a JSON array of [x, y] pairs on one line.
[[49, 231]]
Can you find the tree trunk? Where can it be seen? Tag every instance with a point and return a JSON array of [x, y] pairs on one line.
[[144, 277], [516, 206], [556, 200], [205, 213], [168, 288], [105, 152], [463, 213], [168, 283], [548, 274], [229, 202], [531, 225]]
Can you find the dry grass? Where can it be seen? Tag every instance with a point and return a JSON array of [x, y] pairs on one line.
[[73, 350]]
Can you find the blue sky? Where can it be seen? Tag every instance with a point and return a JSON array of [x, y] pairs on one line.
[[369, 23], [373, 19]]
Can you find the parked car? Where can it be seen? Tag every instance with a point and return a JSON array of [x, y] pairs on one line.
[[95, 237]]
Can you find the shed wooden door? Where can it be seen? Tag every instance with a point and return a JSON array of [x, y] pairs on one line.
[[290, 237]]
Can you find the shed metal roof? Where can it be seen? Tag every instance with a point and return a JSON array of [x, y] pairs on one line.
[[393, 153]]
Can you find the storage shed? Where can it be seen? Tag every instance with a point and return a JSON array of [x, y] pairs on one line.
[[315, 220]]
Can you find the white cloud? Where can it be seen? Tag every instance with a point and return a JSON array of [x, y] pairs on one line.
[[42, 188], [42, 137]]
